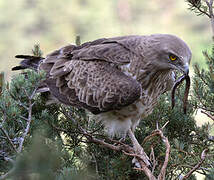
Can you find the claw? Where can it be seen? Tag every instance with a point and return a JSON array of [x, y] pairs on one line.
[[138, 150]]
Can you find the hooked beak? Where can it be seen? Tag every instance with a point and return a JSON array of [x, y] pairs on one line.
[[185, 69]]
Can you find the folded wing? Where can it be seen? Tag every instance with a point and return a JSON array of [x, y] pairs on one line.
[[88, 76]]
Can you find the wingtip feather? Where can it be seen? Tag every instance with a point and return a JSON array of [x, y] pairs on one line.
[[17, 68], [23, 56]]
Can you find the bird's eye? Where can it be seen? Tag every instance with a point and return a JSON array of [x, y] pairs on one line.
[[173, 57]]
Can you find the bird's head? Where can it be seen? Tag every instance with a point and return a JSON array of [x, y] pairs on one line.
[[171, 53]]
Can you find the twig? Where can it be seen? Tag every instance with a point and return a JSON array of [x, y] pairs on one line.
[[187, 153], [203, 156], [201, 107], [154, 133], [152, 157], [7, 136], [133, 155], [209, 115], [110, 146], [189, 166], [210, 7], [199, 9], [164, 125], [200, 73], [204, 106], [29, 119], [162, 174], [24, 118], [26, 129], [21, 104]]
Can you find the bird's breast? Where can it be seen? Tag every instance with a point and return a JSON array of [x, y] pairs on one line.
[[129, 116]]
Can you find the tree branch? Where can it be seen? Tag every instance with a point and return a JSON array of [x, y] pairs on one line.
[[144, 168], [208, 115], [198, 165], [210, 7], [193, 4], [162, 174], [7, 136], [29, 119]]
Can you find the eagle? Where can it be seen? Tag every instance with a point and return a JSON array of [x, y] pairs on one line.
[[118, 79]]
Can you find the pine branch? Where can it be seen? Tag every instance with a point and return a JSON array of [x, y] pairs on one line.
[[5, 133], [163, 169], [208, 115], [78, 41], [8, 139], [37, 51], [210, 7], [29, 119], [121, 147], [196, 5], [198, 165], [144, 168]]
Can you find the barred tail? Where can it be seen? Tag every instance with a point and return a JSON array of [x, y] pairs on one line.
[[32, 62], [29, 62]]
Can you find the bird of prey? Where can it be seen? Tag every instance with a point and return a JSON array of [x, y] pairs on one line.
[[118, 79]]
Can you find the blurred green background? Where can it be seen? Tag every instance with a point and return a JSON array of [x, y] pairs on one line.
[[53, 24]]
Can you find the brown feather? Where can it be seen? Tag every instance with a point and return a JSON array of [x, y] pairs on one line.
[[121, 76]]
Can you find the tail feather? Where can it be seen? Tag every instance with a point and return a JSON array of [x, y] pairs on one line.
[[18, 68], [31, 62]]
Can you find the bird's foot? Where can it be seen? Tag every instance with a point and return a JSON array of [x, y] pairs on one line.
[[139, 151], [142, 155], [123, 139]]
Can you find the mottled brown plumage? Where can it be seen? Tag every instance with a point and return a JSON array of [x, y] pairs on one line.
[[118, 78]]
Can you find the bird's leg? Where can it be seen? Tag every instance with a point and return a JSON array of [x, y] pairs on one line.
[[138, 149], [121, 140]]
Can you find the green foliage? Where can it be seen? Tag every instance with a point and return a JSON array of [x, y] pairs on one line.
[[198, 7], [203, 99], [54, 148], [36, 51], [204, 84]]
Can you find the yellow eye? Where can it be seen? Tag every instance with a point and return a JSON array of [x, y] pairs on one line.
[[172, 57]]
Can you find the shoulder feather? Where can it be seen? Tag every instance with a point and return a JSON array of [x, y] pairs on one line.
[[83, 76]]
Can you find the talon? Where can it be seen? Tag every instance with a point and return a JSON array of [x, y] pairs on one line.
[[138, 150]]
